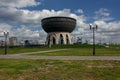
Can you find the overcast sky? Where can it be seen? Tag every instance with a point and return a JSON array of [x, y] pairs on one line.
[[22, 18]]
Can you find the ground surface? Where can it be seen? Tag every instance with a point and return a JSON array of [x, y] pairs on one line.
[[20, 69], [70, 50], [24, 56], [73, 63]]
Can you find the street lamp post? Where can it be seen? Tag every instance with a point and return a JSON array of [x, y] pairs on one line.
[[93, 27], [6, 35]]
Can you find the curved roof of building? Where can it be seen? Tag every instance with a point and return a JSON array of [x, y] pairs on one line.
[[58, 24]]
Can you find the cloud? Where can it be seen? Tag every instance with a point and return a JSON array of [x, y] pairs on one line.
[[79, 11], [108, 30], [23, 31], [102, 14], [34, 17], [18, 3], [29, 22], [108, 26], [4, 28]]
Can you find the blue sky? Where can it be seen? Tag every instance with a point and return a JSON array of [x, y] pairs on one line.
[[89, 6], [22, 18]]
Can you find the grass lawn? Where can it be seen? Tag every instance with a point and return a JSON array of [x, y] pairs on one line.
[[22, 50], [73, 50], [12, 69], [82, 52]]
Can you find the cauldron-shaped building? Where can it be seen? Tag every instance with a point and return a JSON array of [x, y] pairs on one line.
[[58, 29]]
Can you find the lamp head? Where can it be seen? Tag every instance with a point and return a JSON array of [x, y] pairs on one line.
[[96, 26], [6, 33], [90, 26]]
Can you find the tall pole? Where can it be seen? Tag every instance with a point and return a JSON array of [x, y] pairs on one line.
[[93, 28], [5, 44], [93, 41], [6, 34]]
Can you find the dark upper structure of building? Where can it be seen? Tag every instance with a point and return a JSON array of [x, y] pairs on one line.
[[58, 29]]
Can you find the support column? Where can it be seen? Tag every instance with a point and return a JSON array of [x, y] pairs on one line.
[[57, 37]]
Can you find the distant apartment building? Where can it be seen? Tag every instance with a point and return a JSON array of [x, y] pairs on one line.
[[34, 42], [39, 42], [13, 41], [2, 43]]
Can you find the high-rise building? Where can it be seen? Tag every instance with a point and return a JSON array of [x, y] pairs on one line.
[[2, 43], [13, 41]]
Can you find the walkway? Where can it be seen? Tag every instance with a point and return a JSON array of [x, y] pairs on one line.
[[62, 57]]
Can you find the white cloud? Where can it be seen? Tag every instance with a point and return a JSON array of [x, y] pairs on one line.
[[102, 14], [79, 11], [110, 26], [18, 3], [108, 30], [34, 17], [29, 20], [4, 28]]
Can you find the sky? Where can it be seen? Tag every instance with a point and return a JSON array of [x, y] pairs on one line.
[[22, 18]]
